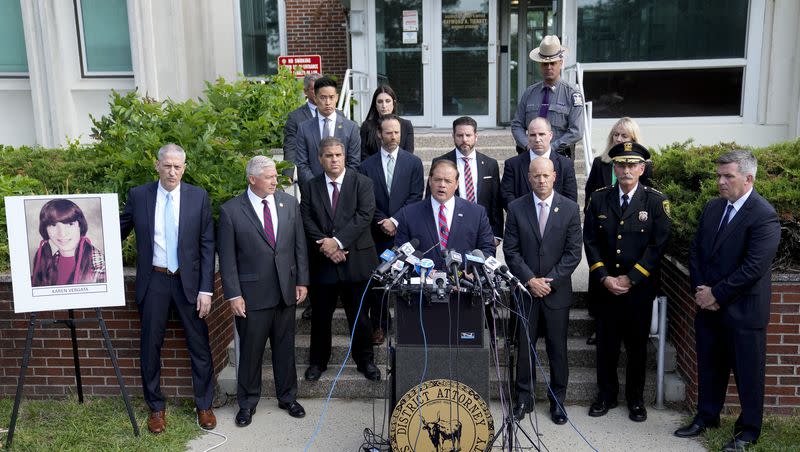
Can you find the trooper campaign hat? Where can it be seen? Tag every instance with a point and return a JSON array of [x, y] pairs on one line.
[[629, 152], [550, 49]]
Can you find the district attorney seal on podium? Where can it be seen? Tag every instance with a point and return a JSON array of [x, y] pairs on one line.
[[441, 415]]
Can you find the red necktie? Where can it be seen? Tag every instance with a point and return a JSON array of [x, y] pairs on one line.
[[268, 227], [444, 233], [468, 180]]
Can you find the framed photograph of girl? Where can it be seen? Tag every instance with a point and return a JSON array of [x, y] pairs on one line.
[[65, 252]]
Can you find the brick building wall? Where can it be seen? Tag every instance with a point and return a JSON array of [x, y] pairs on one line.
[[318, 27], [51, 368], [782, 391]]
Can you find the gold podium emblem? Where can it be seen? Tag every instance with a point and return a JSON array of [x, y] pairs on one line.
[[441, 415]]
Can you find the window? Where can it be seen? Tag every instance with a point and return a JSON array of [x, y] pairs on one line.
[[654, 58], [105, 43], [13, 58], [261, 39]]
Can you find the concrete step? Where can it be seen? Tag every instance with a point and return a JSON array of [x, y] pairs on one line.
[[351, 384]]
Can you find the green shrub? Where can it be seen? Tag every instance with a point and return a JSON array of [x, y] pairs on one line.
[[685, 173]]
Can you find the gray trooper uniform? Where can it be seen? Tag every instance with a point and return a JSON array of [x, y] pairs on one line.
[[565, 114]]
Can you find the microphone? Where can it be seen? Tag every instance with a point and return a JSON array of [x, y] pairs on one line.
[[508, 276], [412, 260], [440, 281], [452, 261], [482, 268], [390, 256]]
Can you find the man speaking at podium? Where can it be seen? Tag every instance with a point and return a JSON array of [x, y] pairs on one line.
[[444, 221], [542, 247]]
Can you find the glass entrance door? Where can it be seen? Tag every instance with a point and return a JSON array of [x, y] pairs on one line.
[[440, 58]]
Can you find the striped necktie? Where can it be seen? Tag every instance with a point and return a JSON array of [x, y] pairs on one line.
[[444, 232]]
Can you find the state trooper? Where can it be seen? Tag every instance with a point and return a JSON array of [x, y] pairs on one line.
[[625, 232], [553, 98]]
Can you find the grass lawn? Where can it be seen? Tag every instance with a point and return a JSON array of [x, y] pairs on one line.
[[99, 424], [778, 433]]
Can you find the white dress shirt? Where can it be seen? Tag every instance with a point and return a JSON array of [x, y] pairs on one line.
[[737, 205], [548, 202], [159, 234], [535, 155], [258, 207], [312, 108], [630, 194], [462, 181], [449, 207], [321, 123]]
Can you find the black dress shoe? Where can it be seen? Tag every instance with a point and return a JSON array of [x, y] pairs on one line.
[[637, 412], [314, 372], [370, 371], [245, 416], [737, 445], [690, 431], [558, 415], [601, 407], [294, 408], [521, 409], [306, 315]]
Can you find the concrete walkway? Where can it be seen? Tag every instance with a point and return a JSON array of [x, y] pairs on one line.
[[273, 430]]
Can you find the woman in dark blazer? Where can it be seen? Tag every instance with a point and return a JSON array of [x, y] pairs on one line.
[[384, 102], [602, 175]]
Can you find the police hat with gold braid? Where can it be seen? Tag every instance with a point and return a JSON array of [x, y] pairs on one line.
[[629, 152]]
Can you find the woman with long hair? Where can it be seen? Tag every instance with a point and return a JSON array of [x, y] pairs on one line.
[[65, 255], [384, 102]]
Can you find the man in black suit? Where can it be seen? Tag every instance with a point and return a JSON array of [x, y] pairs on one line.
[[263, 263], [625, 233], [397, 178], [479, 174], [174, 267], [730, 268], [515, 181], [543, 247], [337, 208], [445, 221], [301, 114], [328, 123]]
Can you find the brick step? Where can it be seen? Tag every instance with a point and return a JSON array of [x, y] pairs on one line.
[[579, 354], [352, 385]]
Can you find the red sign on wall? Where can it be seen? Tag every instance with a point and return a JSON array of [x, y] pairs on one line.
[[302, 64]]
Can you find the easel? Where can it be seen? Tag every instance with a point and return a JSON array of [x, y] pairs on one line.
[[69, 323]]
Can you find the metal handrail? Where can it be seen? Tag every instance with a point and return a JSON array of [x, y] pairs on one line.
[[349, 92], [588, 155]]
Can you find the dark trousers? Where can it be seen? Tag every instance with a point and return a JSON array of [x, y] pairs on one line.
[[276, 324], [165, 291], [622, 319], [554, 322], [720, 349], [323, 305]]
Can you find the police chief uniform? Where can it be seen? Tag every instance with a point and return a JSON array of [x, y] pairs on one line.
[[627, 242]]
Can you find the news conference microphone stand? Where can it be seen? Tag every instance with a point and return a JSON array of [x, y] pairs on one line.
[[69, 323], [510, 424]]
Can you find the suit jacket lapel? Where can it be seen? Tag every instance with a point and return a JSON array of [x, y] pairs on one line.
[[382, 181], [247, 208], [399, 165], [151, 211], [322, 188], [433, 227], [338, 129], [552, 215], [283, 216], [733, 224], [458, 218], [480, 161], [613, 200], [533, 218], [184, 211], [452, 157]]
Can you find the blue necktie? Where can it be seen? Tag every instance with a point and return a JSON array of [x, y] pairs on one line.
[[171, 235]]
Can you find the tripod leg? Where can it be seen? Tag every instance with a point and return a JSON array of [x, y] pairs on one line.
[[110, 349], [75, 357], [26, 356]]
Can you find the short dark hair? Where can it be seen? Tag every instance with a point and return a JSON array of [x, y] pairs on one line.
[[465, 121], [329, 142], [440, 162], [389, 117], [322, 82]]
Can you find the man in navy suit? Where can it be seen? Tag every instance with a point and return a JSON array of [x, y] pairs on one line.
[[543, 247], [730, 268], [515, 181], [445, 221], [328, 123], [296, 117], [397, 178], [337, 208], [174, 267], [478, 174]]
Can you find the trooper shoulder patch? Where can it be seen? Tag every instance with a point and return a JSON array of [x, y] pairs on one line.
[[665, 205], [577, 99]]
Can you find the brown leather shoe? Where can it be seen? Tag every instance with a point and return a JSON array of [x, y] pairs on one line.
[[157, 422], [378, 337], [206, 419]]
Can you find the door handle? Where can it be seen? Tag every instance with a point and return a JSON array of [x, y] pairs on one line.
[[426, 53]]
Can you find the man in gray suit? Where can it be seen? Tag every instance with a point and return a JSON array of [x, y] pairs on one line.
[[328, 123], [542, 247], [260, 232], [301, 114]]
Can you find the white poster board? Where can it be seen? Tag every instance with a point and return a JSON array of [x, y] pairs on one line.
[[65, 252]]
